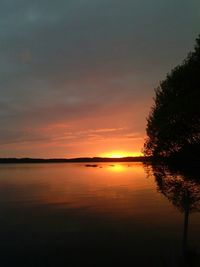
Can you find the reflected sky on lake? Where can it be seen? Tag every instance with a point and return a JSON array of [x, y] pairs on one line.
[[118, 207]]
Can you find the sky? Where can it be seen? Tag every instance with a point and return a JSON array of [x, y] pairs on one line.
[[77, 77]]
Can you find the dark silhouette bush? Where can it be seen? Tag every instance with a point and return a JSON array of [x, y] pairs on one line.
[[173, 125]]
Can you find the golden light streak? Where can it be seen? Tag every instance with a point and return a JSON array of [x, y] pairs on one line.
[[120, 154], [117, 168]]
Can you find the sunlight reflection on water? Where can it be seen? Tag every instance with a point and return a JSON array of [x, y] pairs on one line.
[[70, 206]]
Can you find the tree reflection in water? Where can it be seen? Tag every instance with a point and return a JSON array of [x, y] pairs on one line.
[[182, 189]]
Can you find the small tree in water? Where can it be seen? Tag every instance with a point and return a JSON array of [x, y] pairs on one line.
[[173, 126]]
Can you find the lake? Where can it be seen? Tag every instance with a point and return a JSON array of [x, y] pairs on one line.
[[114, 214]]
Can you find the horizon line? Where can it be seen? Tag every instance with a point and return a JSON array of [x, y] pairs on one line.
[[65, 160]]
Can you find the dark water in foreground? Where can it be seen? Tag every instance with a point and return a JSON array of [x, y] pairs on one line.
[[120, 215]]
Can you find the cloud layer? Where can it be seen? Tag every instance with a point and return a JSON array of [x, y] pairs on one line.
[[69, 70]]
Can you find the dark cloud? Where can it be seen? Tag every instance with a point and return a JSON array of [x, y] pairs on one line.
[[68, 61]]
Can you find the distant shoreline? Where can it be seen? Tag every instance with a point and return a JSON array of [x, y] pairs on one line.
[[72, 160]]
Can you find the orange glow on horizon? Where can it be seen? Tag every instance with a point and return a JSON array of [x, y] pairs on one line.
[[121, 154]]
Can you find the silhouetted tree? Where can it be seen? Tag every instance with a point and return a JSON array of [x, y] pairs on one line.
[[173, 126]]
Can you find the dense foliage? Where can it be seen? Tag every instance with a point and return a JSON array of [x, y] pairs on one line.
[[173, 126]]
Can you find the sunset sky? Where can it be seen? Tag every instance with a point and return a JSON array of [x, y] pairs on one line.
[[77, 77]]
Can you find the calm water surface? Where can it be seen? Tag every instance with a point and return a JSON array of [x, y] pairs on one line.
[[110, 215]]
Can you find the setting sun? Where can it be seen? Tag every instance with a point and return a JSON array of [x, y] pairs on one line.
[[120, 154]]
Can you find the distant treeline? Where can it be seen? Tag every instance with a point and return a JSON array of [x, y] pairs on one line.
[[62, 160]]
